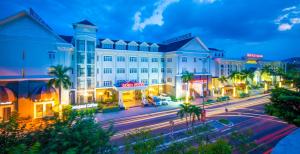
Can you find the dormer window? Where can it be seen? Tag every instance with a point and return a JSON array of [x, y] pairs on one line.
[[107, 44], [132, 46], [154, 47], [121, 45], [144, 46]]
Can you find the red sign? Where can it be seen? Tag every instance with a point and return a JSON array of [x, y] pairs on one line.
[[250, 55], [137, 84], [200, 81]]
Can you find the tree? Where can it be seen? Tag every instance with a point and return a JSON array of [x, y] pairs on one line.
[[233, 76], [285, 105], [242, 141], [221, 146], [195, 112], [184, 112], [223, 79], [186, 78], [61, 78], [142, 142]]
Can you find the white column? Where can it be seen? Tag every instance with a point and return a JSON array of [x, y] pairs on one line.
[[121, 104]]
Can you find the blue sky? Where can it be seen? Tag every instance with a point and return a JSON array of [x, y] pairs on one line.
[[268, 27]]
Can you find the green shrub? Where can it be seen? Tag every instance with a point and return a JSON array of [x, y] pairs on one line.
[[110, 109], [243, 95], [224, 121]]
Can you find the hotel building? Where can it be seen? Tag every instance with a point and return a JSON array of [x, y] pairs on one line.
[[103, 69]]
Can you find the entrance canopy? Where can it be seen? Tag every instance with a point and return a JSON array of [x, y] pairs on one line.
[[126, 86], [6, 95]]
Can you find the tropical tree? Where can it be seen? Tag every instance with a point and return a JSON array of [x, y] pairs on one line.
[[60, 78], [184, 112], [195, 112], [186, 78], [223, 79]]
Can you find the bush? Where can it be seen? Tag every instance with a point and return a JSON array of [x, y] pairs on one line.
[[110, 109], [173, 98], [243, 95], [224, 121], [224, 98]]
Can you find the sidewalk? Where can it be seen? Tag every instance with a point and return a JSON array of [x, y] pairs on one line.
[[289, 144], [135, 111]]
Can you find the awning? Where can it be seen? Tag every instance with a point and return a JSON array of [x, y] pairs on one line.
[[43, 93], [6, 95]]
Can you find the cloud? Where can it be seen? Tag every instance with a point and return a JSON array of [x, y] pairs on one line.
[[205, 1], [155, 19], [284, 27], [288, 19]]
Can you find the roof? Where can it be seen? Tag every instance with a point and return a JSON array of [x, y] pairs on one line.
[[67, 38], [6, 95], [174, 45], [214, 49], [85, 22]]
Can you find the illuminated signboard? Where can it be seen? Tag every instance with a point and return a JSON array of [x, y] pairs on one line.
[[200, 81], [250, 55], [130, 84]]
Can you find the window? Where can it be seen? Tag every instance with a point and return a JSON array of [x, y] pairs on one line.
[[120, 81], [162, 60], [80, 45], [154, 49], [132, 47], [145, 81], [133, 70], [195, 59], [90, 83], [107, 83], [120, 58], [144, 48], [154, 59], [132, 59], [169, 70], [120, 70], [107, 70], [107, 45], [91, 58], [154, 81], [184, 59], [169, 79], [121, 47], [80, 71], [144, 70], [169, 59], [80, 84], [154, 70], [144, 59], [80, 57], [107, 58], [97, 58], [90, 70], [51, 55], [90, 46], [162, 70]]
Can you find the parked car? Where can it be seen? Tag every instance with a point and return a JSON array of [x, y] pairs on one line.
[[157, 101]]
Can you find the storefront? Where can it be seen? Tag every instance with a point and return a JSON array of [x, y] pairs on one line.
[[7, 106], [200, 86], [43, 101]]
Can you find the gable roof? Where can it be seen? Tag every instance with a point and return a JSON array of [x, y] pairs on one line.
[[32, 15], [67, 38], [174, 45], [85, 22]]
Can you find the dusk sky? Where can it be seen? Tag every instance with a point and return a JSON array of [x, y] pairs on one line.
[[268, 27]]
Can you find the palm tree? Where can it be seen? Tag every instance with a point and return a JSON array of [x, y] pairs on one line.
[[184, 113], [233, 76], [60, 78], [195, 111], [223, 79], [186, 78], [266, 69]]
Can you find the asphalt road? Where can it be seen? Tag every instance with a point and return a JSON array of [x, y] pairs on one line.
[[244, 114]]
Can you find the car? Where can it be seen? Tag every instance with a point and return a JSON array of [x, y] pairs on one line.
[[157, 101]]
